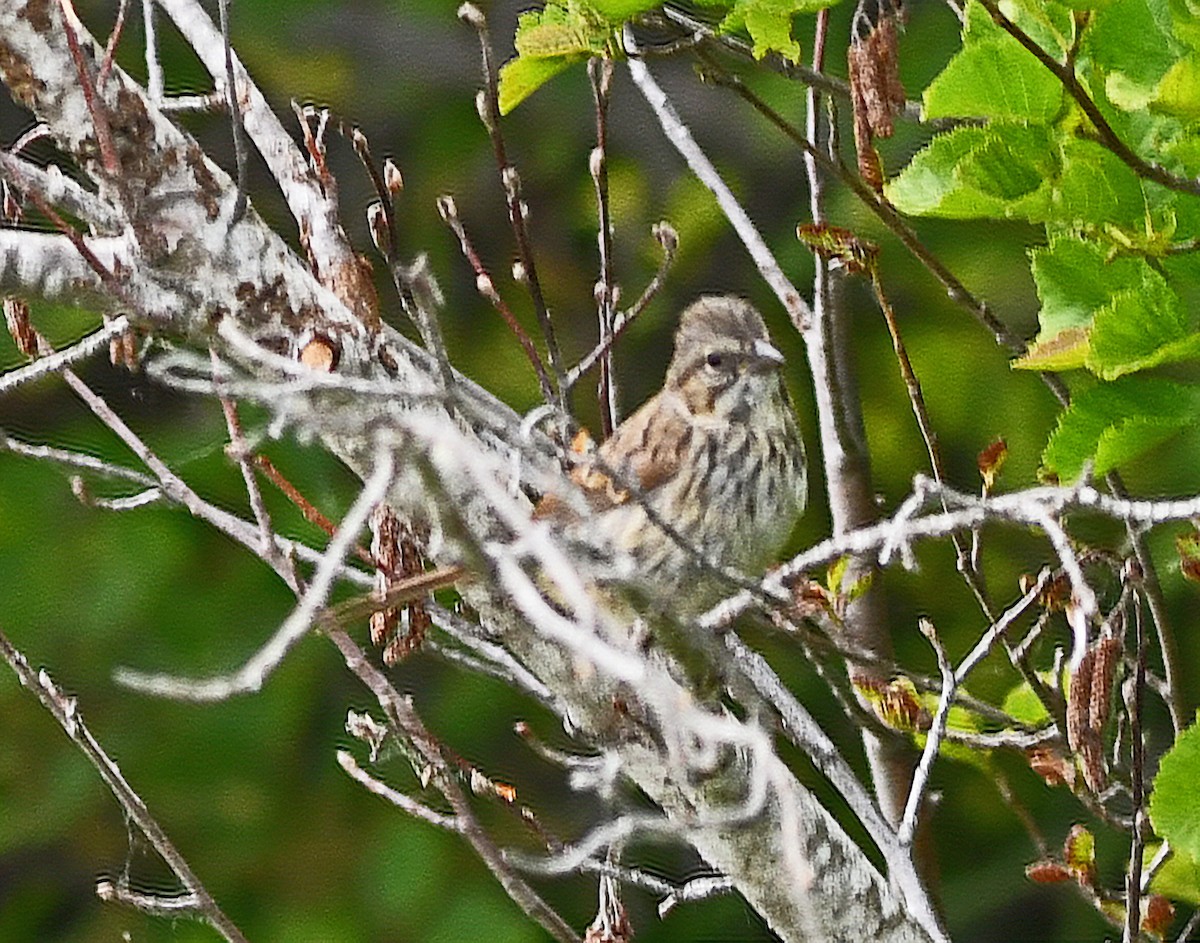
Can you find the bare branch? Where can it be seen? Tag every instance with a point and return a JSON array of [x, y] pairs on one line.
[[65, 710]]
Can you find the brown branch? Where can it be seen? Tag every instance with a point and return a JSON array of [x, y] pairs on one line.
[[488, 106], [104, 138], [486, 287], [111, 48], [311, 513], [1065, 73]]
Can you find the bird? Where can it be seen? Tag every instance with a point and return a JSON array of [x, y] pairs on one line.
[[709, 474]]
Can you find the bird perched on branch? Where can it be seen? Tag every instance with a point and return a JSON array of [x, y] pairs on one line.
[[710, 472]]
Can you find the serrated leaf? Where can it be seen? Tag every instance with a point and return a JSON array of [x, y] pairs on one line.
[[972, 172], [996, 78], [1140, 328], [1132, 39], [1175, 801], [561, 30], [1115, 422], [1095, 187], [768, 22], [771, 31], [1075, 278], [521, 77]]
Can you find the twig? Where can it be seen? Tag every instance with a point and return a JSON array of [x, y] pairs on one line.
[[1168, 649], [154, 72], [255, 671], [239, 451], [486, 287], [998, 628], [955, 289], [65, 711], [240, 151], [600, 72], [1021, 507], [668, 239], [55, 362], [104, 138], [814, 78], [1134, 695], [488, 106], [1188, 928], [933, 739], [402, 715], [405, 803], [679, 135], [1105, 134], [111, 47], [75, 460], [310, 511]]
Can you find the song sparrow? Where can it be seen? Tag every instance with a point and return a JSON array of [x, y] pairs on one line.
[[715, 456]]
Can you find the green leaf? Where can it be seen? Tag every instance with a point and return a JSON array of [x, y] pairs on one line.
[[1075, 279], [521, 77], [1112, 423], [1139, 329], [551, 39], [1024, 706], [618, 11], [1178, 879], [556, 30], [771, 32], [768, 22], [1178, 93], [972, 172], [1095, 187], [1131, 44], [1175, 801], [996, 78]]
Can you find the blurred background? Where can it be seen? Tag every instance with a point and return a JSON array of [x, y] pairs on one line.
[[249, 789]]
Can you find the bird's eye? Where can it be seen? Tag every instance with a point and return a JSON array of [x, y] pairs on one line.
[[714, 359]]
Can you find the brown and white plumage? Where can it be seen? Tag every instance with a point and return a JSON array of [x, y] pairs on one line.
[[716, 455]]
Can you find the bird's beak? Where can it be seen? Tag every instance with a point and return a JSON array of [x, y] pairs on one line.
[[766, 355]]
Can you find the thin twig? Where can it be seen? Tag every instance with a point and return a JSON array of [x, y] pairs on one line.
[[405, 719], [65, 711], [1168, 649], [600, 72], [678, 134], [240, 150], [311, 513], [487, 287], [154, 72], [55, 362], [239, 451], [251, 676], [1134, 696], [489, 113], [113, 38], [668, 239], [104, 139], [406, 803], [933, 739]]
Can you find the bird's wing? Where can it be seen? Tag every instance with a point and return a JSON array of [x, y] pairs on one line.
[[648, 448]]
